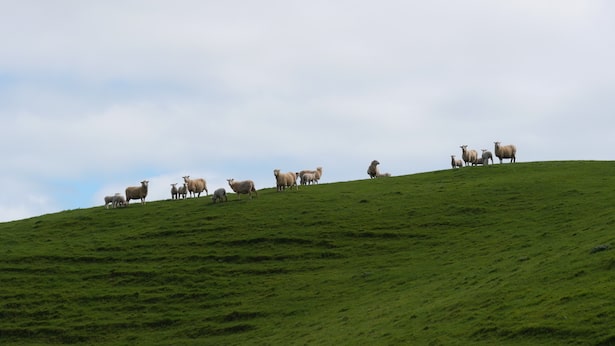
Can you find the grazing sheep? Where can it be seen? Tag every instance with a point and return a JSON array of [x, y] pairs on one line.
[[196, 186], [456, 162], [478, 161], [505, 152], [174, 191], [284, 180], [242, 187], [118, 201], [182, 191], [372, 170], [486, 156], [468, 156], [383, 175], [219, 194], [137, 192]]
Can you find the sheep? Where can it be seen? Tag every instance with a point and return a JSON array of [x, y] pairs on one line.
[[108, 201], [137, 192], [242, 187], [219, 194], [372, 170], [118, 201], [196, 186], [456, 162], [478, 161], [308, 178], [285, 179], [174, 191], [468, 156], [486, 156], [182, 191], [505, 152], [316, 175], [383, 175]]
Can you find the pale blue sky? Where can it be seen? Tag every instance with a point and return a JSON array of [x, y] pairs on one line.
[[99, 95]]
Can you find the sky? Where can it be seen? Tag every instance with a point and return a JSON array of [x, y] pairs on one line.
[[96, 96]]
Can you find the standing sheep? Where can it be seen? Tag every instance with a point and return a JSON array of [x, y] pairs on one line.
[[242, 187], [219, 194], [505, 152], [284, 180], [308, 178], [174, 191], [486, 156], [456, 162], [372, 170], [196, 186], [137, 192], [468, 156], [182, 191], [316, 174], [108, 201], [118, 201]]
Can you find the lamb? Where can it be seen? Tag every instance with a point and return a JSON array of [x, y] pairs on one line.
[[285, 179], [242, 187], [316, 175], [118, 201], [196, 186], [372, 170], [383, 175], [174, 191], [115, 201], [468, 156], [308, 178], [108, 201], [456, 162], [486, 156], [137, 192], [505, 152], [219, 194], [182, 191]]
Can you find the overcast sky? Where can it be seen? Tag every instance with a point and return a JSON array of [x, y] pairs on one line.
[[96, 96]]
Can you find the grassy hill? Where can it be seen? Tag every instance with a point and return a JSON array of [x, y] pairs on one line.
[[505, 254]]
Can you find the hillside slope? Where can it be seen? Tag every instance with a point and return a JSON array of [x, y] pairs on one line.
[[507, 254]]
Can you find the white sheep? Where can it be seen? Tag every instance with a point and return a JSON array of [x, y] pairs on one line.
[[372, 170], [219, 195], [316, 175], [108, 201], [456, 162], [242, 187], [137, 192], [383, 175], [182, 191], [196, 186], [468, 156], [174, 191], [505, 152], [284, 180], [308, 178], [486, 155], [118, 201]]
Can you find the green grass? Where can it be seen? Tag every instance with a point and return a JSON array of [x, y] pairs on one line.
[[505, 254]]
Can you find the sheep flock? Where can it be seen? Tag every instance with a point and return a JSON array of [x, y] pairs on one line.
[[471, 157], [192, 188]]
